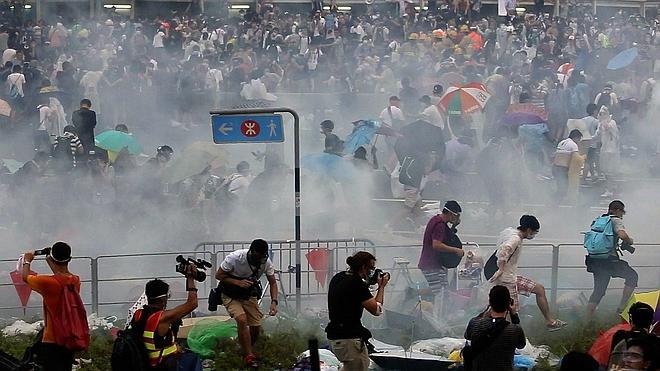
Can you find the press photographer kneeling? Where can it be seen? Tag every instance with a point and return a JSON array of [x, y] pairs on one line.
[[240, 290], [348, 296]]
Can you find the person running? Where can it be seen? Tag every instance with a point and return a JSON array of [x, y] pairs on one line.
[[608, 264], [509, 249]]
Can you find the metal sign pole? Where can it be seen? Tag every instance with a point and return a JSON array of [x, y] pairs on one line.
[[296, 151]]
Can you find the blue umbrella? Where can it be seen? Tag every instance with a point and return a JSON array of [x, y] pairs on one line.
[[362, 135], [337, 167], [623, 59]]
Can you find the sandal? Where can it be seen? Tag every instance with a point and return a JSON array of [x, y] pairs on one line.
[[556, 325]]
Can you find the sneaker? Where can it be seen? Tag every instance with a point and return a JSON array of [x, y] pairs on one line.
[[556, 325], [251, 361]]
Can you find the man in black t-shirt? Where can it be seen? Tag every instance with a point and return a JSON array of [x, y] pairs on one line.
[[348, 296]]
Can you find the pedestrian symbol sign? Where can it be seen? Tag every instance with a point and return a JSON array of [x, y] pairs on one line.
[[265, 128]]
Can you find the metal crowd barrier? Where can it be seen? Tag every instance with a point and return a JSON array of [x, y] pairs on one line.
[[106, 278]]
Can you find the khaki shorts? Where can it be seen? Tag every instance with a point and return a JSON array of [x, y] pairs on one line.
[[352, 353], [250, 308]]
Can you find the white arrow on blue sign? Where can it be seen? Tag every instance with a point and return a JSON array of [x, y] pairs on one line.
[[247, 128]]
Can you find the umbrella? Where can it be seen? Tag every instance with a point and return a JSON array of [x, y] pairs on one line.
[[115, 141], [529, 108], [651, 298], [318, 260], [194, 160], [521, 118], [564, 72], [464, 99], [623, 59], [364, 132], [5, 108], [22, 289], [334, 166], [602, 347], [419, 137]]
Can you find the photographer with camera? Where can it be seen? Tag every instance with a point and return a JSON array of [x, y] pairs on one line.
[[493, 339], [240, 291], [159, 326], [603, 261], [66, 329], [348, 296]]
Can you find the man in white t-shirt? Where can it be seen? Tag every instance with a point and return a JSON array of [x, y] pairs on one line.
[[566, 149], [239, 276], [15, 82], [392, 115], [431, 113], [158, 39]]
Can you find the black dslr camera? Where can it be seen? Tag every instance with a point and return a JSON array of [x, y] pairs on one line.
[[44, 251], [200, 264], [378, 273], [627, 247]]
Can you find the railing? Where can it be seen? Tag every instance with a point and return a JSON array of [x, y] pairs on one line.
[[559, 267]]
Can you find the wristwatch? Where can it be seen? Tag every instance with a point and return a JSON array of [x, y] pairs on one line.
[[191, 289]]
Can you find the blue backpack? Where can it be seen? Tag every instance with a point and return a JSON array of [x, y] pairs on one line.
[[599, 241]]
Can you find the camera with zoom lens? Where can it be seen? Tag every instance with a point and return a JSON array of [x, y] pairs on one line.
[[200, 264], [44, 251], [378, 273]]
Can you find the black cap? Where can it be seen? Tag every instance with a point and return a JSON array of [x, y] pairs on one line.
[[61, 252], [529, 222], [453, 206]]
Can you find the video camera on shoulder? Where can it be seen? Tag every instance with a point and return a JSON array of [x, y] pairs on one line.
[[378, 273], [200, 264]]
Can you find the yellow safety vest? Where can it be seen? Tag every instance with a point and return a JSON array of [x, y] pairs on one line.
[[156, 355]]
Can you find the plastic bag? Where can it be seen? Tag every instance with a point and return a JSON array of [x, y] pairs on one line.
[[205, 334], [523, 362]]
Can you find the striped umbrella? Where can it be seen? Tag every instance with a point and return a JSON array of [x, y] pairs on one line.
[[468, 98]]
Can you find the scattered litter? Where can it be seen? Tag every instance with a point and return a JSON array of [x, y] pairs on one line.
[[21, 327]]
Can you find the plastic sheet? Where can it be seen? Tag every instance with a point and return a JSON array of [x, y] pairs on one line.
[[205, 334]]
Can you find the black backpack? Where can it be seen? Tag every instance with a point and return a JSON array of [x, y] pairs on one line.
[[61, 153], [128, 350]]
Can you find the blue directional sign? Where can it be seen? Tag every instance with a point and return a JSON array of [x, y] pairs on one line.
[[247, 128]]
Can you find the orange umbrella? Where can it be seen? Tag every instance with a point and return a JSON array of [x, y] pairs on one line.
[[318, 260], [602, 347]]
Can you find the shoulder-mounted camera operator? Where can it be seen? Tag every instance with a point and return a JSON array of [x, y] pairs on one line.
[[348, 296], [240, 291], [159, 326]]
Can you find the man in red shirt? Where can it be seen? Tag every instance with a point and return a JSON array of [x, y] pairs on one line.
[[434, 245], [54, 357]]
